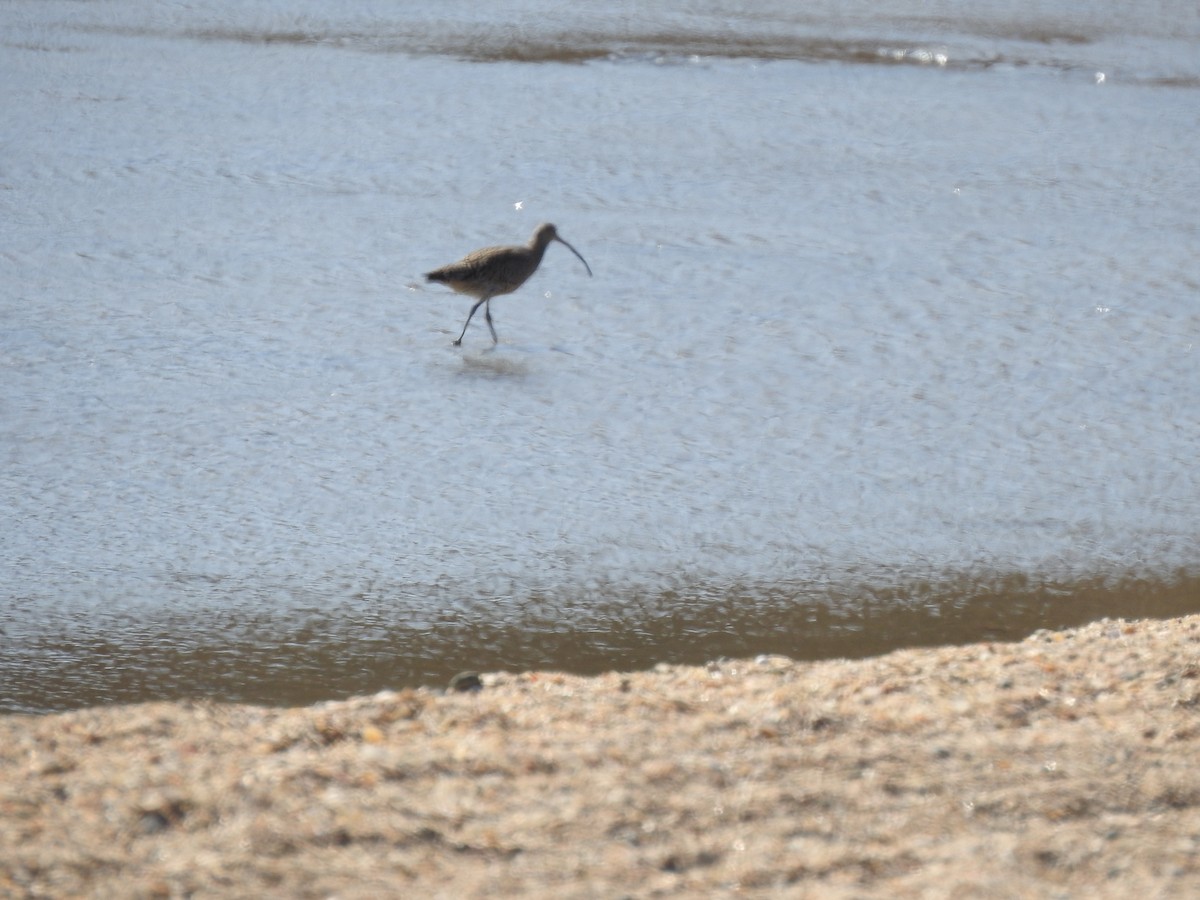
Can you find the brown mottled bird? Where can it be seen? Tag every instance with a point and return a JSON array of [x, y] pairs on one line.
[[493, 271]]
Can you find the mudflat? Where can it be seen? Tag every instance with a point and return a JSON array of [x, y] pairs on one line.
[[1062, 765]]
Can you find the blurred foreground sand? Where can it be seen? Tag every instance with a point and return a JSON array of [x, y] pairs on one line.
[[1064, 765]]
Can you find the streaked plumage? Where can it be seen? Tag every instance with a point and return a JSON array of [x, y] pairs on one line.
[[494, 271]]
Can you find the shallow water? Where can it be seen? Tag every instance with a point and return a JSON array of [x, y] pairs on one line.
[[893, 315]]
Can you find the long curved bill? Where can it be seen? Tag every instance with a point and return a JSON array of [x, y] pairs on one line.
[[577, 253]]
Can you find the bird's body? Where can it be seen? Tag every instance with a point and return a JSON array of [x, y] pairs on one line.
[[494, 271]]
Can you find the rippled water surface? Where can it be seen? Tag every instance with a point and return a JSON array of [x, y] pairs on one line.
[[892, 336]]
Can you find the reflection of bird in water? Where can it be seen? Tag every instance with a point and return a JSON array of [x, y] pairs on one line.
[[493, 271]]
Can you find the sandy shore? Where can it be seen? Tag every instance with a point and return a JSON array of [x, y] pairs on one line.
[[1064, 765]]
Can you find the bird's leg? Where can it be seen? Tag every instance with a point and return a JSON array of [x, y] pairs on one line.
[[487, 314], [458, 343]]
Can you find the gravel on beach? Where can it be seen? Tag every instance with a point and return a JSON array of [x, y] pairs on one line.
[[1064, 765]]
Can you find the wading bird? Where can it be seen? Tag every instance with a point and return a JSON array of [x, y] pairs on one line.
[[494, 271]]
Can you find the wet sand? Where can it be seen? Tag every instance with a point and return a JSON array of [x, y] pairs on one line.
[[1063, 765]]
